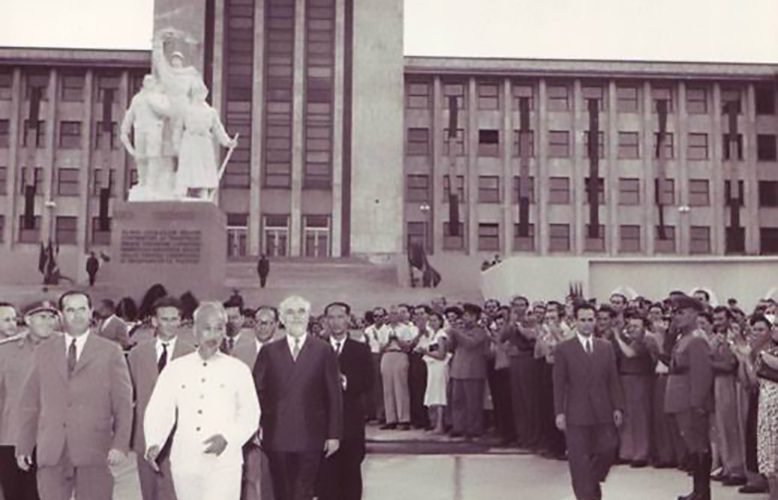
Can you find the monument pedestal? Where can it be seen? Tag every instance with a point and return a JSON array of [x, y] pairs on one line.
[[180, 245]]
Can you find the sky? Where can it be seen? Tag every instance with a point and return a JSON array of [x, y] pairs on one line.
[[665, 30]]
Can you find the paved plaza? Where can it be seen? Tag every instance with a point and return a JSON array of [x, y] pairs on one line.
[[488, 477]]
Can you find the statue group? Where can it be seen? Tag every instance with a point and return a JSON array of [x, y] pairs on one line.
[[169, 129]]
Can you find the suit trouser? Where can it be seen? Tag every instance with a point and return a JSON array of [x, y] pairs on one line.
[[524, 397], [695, 431], [15, 484], [553, 438], [499, 386], [257, 481], [222, 483], [468, 406], [417, 385], [375, 407], [668, 444], [730, 440], [394, 372], [591, 450], [340, 476], [155, 485], [294, 474], [636, 432], [84, 482]]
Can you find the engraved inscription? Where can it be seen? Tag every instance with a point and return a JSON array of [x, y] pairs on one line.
[[160, 246]]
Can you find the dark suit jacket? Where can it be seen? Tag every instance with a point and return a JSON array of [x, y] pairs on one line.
[[587, 388], [114, 328], [469, 348], [143, 370], [356, 363], [301, 401], [90, 411]]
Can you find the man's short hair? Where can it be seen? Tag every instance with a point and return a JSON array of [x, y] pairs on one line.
[[757, 318], [108, 304], [703, 292], [723, 309], [293, 298], [619, 294], [607, 309], [473, 309], [427, 309], [210, 307], [345, 307], [705, 314], [520, 297], [268, 308], [457, 311], [69, 293], [580, 306], [8, 304], [166, 301]]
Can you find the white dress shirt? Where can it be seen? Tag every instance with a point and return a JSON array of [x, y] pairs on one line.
[[337, 345], [80, 341], [291, 340], [583, 340], [171, 345]]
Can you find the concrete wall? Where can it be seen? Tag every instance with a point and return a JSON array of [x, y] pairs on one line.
[[377, 127], [747, 279]]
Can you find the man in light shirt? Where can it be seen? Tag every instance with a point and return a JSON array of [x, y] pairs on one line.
[[394, 367], [209, 398]]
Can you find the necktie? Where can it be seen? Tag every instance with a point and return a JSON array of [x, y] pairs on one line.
[[588, 346], [162, 358], [296, 349], [230, 343], [337, 347], [71, 356]]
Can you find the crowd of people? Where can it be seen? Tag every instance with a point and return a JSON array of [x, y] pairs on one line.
[[676, 382]]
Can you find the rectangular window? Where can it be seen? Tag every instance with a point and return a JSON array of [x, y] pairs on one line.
[[559, 237], [67, 181], [629, 191], [489, 237], [488, 96], [768, 193], [600, 144], [100, 237], [107, 81], [662, 93], [765, 100], [37, 138], [731, 95], [665, 191], [417, 95], [558, 144], [37, 179], [417, 234], [98, 175], [460, 188], [521, 89], [70, 135], [3, 180], [39, 80], [728, 193], [699, 192], [735, 240], [66, 230], [558, 98], [453, 242], [489, 143], [6, 83], [629, 238], [418, 188], [668, 149], [517, 187], [454, 145], [629, 145], [488, 189], [517, 143], [627, 98], [112, 136], [600, 190], [524, 243], [454, 90], [696, 100], [697, 147], [699, 239], [5, 133], [737, 144], [2, 228], [768, 237], [418, 142], [30, 235], [666, 245], [595, 244], [594, 92], [559, 190], [72, 87], [765, 147]]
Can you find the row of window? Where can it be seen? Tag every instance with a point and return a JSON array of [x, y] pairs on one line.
[[72, 84], [418, 143], [418, 189], [69, 135], [65, 231], [559, 238], [418, 95]]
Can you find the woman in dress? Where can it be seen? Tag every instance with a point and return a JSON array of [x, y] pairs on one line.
[[767, 425], [436, 357], [197, 175]]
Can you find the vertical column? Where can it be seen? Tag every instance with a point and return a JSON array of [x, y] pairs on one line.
[[541, 153], [298, 103], [578, 224], [507, 171], [717, 194], [12, 184], [87, 160], [748, 172], [683, 232], [337, 129], [439, 212], [257, 124], [610, 134], [47, 221], [121, 156], [649, 171], [470, 122]]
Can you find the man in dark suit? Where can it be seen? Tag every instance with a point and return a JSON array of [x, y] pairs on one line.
[[263, 270], [112, 327], [146, 361], [300, 394], [588, 402], [75, 409], [340, 477]]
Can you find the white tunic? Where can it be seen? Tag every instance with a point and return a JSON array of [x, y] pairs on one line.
[[202, 398]]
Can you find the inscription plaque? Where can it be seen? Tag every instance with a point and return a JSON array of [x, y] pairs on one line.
[[160, 246]]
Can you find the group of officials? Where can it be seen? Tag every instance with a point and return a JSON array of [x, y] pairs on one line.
[[278, 417]]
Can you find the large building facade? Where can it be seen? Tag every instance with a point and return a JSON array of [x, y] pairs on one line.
[[345, 146]]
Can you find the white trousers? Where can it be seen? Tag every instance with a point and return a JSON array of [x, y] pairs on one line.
[[216, 484]]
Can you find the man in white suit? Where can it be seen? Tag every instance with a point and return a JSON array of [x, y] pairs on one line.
[[210, 398]]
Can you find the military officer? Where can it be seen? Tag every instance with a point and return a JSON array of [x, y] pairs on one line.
[[689, 395]]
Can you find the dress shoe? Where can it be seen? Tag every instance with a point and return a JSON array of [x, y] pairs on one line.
[[388, 427], [404, 427], [753, 488], [638, 464], [734, 481]]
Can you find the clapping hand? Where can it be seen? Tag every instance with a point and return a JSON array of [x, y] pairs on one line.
[[115, 457], [24, 462], [330, 447]]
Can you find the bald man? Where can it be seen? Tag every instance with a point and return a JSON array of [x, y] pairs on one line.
[[209, 398]]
